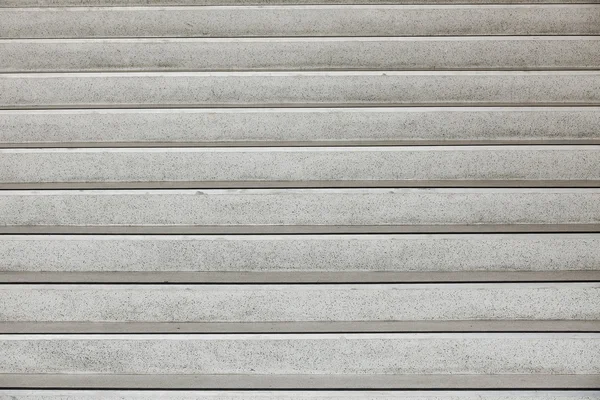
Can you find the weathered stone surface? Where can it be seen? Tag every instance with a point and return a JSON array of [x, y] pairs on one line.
[[302, 20], [381, 53], [320, 254], [124, 3], [300, 126], [300, 211], [298, 308], [232, 89], [325, 354], [301, 167], [294, 395]]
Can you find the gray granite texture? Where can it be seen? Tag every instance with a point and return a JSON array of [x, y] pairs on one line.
[[503, 253], [300, 126], [124, 3], [316, 354], [270, 240], [254, 89], [299, 210], [294, 395], [299, 303], [388, 53], [301, 20], [301, 167]]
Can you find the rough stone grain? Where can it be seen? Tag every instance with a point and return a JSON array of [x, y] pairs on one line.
[[301, 20], [299, 211], [263, 89], [299, 303], [300, 126], [312, 354], [304, 253], [294, 395], [239, 54], [301, 167]]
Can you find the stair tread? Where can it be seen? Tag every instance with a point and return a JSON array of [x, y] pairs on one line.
[[525, 166], [323, 89], [299, 211], [299, 308], [299, 126], [301, 20], [429, 53]]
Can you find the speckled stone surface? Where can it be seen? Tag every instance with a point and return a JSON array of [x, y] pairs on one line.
[[343, 253], [294, 395], [299, 89], [423, 53], [326, 354], [300, 210], [299, 303], [279, 288], [304, 167], [287, 88], [292, 126], [302, 20], [124, 3]]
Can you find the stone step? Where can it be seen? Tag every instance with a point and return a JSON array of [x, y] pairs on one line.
[[299, 126], [299, 308], [300, 258], [300, 211], [324, 89], [438, 166], [301, 20], [295, 395], [239, 54], [126, 3], [438, 361], [308, 264]]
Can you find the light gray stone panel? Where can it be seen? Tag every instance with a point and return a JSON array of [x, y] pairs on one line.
[[125, 3], [300, 211], [301, 20], [534, 354], [278, 89], [299, 126], [301, 167], [288, 254], [298, 308], [239, 54], [294, 395]]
